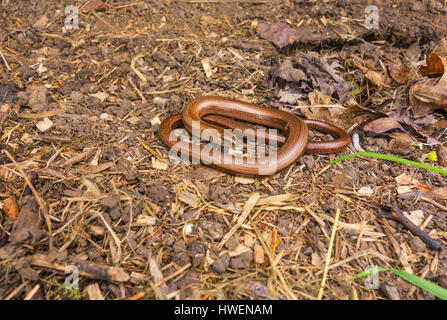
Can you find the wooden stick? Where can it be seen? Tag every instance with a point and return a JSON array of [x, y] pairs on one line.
[[33, 291]]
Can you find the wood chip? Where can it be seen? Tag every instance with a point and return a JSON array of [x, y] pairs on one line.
[[94, 292], [189, 198], [159, 164], [259, 254], [87, 153], [206, 63]]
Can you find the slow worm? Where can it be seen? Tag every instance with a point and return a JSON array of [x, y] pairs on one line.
[[215, 113]]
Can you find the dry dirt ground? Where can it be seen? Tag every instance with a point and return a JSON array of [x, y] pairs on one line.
[[82, 159]]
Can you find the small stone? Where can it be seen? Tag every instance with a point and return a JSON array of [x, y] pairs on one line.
[[41, 23], [160, 101], [106, 116], [44, 125], [221, 264], [197, 252], [352, 173], [242, 261], [213, 230], [97, 230], [390, 291], [417, 245], [100, 95], [37, 98], [176, 101], [115, 213], [111, 202], [89, 88], [26, 137], [366, 191], [232, 243], [92, 102], [168, 241], [133, 120], [128, 93], [77, 97]]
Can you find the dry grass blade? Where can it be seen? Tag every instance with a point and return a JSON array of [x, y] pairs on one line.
[[132, 66], [287, 290], [277, 200], [173, 275], [249, 205], [328, 256], [115, 255]]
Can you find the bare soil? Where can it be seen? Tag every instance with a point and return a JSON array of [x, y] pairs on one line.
[[107, 200]]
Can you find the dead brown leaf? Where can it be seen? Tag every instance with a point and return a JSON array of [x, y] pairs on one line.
[[434, 68], [204, 174], [282, 35], [10, 208], [93, 5], [442, 156], [414, 51], [382, 125], [308, 72], [401, 143], [28, 223], [428, 96], [375, 78], [401, 73]]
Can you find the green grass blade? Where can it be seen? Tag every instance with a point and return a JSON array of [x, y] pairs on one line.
[[426, 285], [392, 158], [369, 272]]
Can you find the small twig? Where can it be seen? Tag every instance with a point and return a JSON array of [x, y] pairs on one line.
[[68, 223], [440, 206], [321, 106], [4, 60], [173, 275], [106, 75], [16, 291], [136, 89], [87, 153], [33, 291], [397, 215], [117, 257], [245, 46]]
